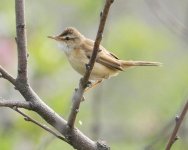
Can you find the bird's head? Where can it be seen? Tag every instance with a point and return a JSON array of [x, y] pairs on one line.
[[70, 38]]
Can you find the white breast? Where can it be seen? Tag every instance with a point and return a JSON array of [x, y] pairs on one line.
[[64, 47]]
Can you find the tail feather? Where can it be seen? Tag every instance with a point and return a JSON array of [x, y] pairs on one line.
[[126, 64]]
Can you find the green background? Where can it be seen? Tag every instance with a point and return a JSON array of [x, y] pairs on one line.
[[133, 111]]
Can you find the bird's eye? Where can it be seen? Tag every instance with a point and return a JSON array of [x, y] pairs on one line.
[[67, 38]]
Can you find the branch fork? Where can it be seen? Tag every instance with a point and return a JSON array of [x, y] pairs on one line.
[[68, 132]]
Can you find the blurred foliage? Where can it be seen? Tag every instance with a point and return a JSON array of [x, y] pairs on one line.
[[135, 107], [131, 35]]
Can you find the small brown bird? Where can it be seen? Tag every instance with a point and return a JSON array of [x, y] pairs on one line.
[[78, 50]]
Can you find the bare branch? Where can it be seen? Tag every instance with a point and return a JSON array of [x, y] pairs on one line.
[[4, 74], [21, 41], [72, 135], [77, 139], [24, 104], [27, 105], [179, 120], [83, 82], [27, 118], [98, 39], [13, 103]]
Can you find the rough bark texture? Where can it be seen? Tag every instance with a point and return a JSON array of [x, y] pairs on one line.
[[33, 102]]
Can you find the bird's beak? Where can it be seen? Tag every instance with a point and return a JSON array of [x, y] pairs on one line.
[[54, 37]]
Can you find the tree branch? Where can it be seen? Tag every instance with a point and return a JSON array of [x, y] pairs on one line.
[[27, 118], [27, 105], [77, 98], [179, 121], [73, 136], [21, 41], [78, 140], [13, 103], [4, 74]]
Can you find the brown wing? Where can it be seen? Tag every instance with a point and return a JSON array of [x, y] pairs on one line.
[[104, 57]]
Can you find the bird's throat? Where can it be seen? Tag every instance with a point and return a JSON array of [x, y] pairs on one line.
[[64, 47]]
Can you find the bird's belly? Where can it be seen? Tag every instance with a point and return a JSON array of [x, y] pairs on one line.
[[78, 65], [99, 71]]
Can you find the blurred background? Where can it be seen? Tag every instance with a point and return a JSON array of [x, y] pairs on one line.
[[133, 111]]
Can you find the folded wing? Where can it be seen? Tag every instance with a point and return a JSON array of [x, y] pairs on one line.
[[104, 57]]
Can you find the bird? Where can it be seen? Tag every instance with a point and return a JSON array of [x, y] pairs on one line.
[[78, 50]]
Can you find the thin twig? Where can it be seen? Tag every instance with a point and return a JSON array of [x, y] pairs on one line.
[[179, 120], [98, 39], [21, 41], [78, 139], [27, 118], [78, 95], [4, 74], [13, 103]]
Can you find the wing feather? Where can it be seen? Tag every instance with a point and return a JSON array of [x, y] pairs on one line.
[[104, 57]]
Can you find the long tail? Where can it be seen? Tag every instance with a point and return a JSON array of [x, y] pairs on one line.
[[126, 64]]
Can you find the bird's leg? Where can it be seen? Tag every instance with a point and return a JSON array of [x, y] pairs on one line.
[[92, 85], [89, 83]]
